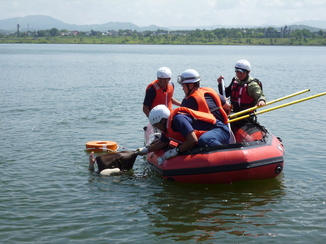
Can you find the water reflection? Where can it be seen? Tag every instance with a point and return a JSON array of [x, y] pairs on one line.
[[206, 212]]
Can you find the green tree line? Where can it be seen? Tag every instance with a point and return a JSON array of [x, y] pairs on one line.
[[245, 36]]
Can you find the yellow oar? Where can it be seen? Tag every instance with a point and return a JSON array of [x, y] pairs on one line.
[[277, 107], [268, 103]]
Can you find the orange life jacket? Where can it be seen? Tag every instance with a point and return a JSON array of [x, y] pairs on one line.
[[199, 96], [198, 115], [162, 96]]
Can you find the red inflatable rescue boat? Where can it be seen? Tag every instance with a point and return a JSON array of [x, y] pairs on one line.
[[257, 155]]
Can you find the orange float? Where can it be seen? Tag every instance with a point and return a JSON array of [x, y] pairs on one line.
[[102, 146]]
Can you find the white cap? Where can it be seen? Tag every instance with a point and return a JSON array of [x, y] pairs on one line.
[[188, 76], [158, 113], [242, 66], [164, 72]]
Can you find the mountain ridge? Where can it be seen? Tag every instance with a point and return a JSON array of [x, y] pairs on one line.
[[43, 22]]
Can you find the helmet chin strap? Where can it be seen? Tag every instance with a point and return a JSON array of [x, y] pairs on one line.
[[189, 90], [247, 76]]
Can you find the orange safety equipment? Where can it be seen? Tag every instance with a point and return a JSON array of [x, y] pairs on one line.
[[198, 115], [199, 96], [162, 96]]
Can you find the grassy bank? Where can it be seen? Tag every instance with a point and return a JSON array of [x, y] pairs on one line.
[[163, 40]]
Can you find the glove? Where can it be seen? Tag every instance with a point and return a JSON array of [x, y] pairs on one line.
[[142, 151], [171, 153]]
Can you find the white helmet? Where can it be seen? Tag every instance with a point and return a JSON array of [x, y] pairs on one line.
[[242, 66], [188, 76], [164, 72], [158, 113]]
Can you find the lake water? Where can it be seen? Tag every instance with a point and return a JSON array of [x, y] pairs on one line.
[[55, 98]]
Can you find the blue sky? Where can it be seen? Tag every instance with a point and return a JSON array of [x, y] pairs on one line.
[[167, 13]]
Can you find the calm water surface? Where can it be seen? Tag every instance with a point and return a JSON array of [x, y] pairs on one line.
[[55, 98]]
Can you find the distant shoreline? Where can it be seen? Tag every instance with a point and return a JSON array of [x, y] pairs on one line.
[[148, 41]]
